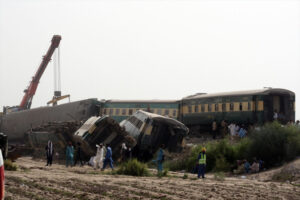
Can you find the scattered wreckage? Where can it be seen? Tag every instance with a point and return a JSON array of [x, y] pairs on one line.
[[143, 132]]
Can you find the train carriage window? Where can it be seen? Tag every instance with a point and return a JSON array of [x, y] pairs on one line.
[[202, 108], [123, 111], [189, 109], [130, 111], [209, 107], [249, 106], [216, 107], [223, 107], [196, 109], [241, 106], [111, 111], [174, 113], [159, 111], [167, 112], [231, 106], [117, 111]]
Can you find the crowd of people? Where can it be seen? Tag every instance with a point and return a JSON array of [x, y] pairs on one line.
[[235, 130], [102, 158], [244, 166]]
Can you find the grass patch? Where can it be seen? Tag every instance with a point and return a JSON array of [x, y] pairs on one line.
[[10, 166], [134, 168], [185, 176], [219, 176]]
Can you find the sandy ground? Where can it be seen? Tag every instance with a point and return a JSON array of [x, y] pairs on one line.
[[34, 180]]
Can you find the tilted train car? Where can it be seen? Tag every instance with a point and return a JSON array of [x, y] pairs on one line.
[[151, 130], [244, 107], [122, 109]]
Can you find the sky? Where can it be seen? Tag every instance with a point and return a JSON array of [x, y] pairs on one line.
[[142, 49]]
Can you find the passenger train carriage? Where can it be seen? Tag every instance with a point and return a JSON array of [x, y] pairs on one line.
[[248, 107], [243, 107]]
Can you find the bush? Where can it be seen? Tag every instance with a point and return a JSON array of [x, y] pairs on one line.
[[133, 168], [10, 166], [275, 144]]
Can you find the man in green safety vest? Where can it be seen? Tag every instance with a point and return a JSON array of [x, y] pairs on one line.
[[202, 163]]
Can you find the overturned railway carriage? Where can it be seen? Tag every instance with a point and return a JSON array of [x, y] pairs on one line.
[[151, 130], [245, 107], [122, 109]]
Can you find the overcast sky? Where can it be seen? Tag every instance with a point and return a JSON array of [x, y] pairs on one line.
[[142, 49]]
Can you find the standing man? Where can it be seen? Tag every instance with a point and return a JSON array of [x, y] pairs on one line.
[[108, 158], [98, 162], [49, 152], [160, 159], [78, 155], [69, 155], [202, 163]]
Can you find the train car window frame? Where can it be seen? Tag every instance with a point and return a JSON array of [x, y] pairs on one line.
[[159, 111], [175, 113], [223, 107], [117, 111], [111, 111], [202, 108], [240, 106], [167, 112], [216, 107], [130, 111], [124, 111], [196, 109], [209, 107], [189, 109], [231, 106], [249, 106]]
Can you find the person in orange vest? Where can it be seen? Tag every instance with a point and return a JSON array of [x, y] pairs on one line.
[[202, 163]]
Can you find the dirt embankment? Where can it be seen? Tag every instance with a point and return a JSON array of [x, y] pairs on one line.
[[34, 180]]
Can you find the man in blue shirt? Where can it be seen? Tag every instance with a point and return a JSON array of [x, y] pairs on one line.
[[108, 158]]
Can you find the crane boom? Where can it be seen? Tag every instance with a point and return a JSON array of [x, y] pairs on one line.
[[31, 89]]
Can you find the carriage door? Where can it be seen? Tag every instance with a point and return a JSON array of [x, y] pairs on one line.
[[268, 108], [276, 104]]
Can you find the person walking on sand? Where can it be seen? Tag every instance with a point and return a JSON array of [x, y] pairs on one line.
[[202, 163], [108, 158], [49, 152], [69, 154], [99, 156]]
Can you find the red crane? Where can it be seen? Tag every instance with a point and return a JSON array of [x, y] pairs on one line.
[[31, 89]]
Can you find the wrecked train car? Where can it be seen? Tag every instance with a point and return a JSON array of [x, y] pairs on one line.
[[103, 130], [151, 130], [16, 124]]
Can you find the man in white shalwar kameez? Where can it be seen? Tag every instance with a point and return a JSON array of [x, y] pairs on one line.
[[98, 161]]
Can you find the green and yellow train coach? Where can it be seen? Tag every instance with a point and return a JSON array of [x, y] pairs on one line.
[[122, 109], [244, 107]]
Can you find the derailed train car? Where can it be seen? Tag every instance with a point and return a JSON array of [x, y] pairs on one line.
[[151, 130]]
